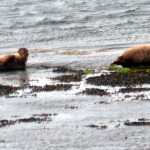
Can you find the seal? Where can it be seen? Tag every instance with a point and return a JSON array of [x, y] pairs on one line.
[[134, 56], [15, 61]]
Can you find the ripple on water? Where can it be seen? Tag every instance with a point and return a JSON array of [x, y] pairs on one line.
[[73, 25]]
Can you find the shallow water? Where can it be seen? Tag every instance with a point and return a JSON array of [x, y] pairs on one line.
[[79, 34]]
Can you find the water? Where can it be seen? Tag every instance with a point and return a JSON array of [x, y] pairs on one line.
[[81, 24], [77, 33]]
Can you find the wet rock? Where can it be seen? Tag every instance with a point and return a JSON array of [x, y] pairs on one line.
[[45, 115], [127, 96], [117, 126], [40, 119], [4, 123], [146, 99], [69, 78], [120, 79], [71, 107], [96, 126], [94, 91], [142, 119], [62, 69], [6, 90], [103, 127], [101, 102], [46, 88], [31, 119], [140, 123], [74, 77], [127, 90], [45, 67], [92, 126]]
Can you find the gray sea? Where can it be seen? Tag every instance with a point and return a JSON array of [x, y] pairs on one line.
[[65, 27]]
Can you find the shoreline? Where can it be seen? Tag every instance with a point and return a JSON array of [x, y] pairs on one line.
[[54, 98]]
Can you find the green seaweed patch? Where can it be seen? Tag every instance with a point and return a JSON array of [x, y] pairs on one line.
[[88, 71], [63, 69], [131, 69]]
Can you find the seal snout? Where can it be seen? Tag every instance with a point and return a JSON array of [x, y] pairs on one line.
[[118, 61]]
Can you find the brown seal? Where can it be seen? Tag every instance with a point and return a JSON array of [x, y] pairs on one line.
[[134, 56], [15, 61]]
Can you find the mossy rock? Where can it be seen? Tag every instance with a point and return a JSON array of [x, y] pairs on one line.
[[131, 69], [88, 71], [120, 79]]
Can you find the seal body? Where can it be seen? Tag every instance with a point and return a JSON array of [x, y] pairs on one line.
[[134, 56], [15, 61]]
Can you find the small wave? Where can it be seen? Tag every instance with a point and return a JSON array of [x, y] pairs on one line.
[[73, 52], [23, 3], [50, 22]]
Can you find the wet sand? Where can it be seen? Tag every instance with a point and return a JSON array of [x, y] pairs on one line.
[[52, 107]]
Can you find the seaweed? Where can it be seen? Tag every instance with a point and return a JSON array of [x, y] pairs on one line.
[[127, 90], [88, 71], [120, 79], [94, 91], [129, 69], [138, 123], [4, 122], [69, 78], [46, 88], [6, 90]]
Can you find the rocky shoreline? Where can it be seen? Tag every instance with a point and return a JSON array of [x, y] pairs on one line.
[[64, 90], [67, 78]]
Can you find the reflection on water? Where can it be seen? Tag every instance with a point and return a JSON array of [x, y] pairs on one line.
[[14, 78], [23, 79]]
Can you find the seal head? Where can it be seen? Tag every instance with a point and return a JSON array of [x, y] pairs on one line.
[[23, 52]]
